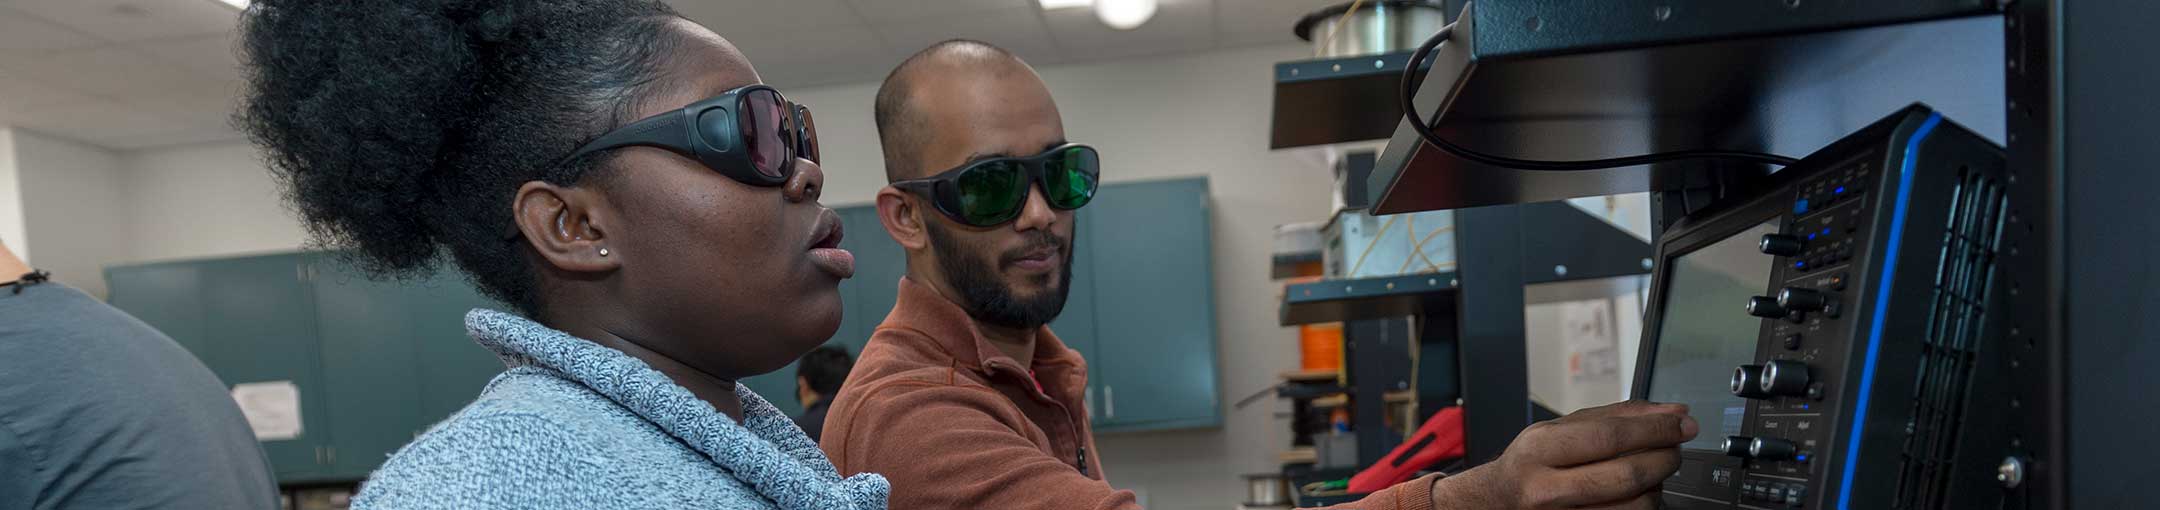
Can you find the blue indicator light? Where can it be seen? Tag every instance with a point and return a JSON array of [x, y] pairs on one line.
[[1800, 207], [1826, 231], [1811, 236], [1803, 407], [1801, 458], [1840, 190], [1799, 264]]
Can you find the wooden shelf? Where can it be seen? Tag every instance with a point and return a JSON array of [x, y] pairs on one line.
[[1324, 375]]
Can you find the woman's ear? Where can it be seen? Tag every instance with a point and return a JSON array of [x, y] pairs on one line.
[[902, 219], [563, 224]]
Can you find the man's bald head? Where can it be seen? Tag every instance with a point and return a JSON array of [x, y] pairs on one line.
[[937, 83]]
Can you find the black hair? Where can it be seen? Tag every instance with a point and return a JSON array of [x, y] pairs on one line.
[[899, 126], [400, 129], [825, 368]]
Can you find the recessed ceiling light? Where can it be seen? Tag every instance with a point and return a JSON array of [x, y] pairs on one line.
[[236, 4], [1065, 4], [1124, 14]]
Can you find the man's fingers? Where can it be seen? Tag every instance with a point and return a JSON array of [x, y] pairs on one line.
[[1560, 444], [1647, 501], [1600, 483], [1630, 408]]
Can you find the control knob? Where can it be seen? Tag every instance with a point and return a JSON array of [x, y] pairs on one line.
[[1737, 446], [1772, 449], [1802, 299], [1747, 382], [1781, 245], [1761, 306], [1785, 378]]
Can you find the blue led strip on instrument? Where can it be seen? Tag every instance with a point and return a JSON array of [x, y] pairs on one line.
[[1882, 301]]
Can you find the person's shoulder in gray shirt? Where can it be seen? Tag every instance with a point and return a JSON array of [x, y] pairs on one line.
[[98, 410]]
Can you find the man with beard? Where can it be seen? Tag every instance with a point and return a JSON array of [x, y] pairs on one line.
[[964, 399]]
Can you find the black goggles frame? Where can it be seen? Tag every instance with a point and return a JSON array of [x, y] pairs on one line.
[[716, 133], [943, 188]]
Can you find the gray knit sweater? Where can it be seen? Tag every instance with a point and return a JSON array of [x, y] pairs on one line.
[[574, 425]]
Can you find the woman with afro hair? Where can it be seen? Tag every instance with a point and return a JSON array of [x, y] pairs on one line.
[[618, 176]]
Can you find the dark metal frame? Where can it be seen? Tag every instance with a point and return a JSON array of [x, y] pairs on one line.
[[1494, 261]]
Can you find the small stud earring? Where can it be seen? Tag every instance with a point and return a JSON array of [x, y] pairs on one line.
[[603, 251]]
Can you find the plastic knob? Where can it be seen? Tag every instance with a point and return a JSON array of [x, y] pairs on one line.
[[1747, 382], [1785, 378], [1805, 300], [1781, 245], [1772, 449], [1737, 446], [1761, 306]]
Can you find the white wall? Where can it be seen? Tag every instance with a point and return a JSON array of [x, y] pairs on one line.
[[205, 200], [73, 208], [1203, 114], [11, 210]]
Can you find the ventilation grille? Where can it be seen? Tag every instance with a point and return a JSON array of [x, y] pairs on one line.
[[1965, 272]]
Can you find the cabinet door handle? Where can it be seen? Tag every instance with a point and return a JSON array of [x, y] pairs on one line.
[[1109, 401], [318, 454], [332, 455]]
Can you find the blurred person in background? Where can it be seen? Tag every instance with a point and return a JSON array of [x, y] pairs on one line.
[[817, 379], [620, 177], [99, 411]]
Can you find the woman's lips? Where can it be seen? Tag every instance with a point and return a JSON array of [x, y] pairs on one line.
[[825, 249]]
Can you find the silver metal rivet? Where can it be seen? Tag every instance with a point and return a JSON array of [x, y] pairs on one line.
[[1376, 64], [1662, 12], [1336, 67], [1559, 270], [1645, 263], [603, 251]]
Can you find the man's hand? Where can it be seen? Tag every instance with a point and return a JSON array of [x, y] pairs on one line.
[[1604, 457]]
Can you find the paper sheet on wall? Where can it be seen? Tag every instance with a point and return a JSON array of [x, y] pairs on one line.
[[272, 408], [1593, 353]]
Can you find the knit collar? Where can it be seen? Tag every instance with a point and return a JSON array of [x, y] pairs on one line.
[[766, 451]]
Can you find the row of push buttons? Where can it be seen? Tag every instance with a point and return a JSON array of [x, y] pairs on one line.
[[1826, 255], [1773, 492], [1830, 191]]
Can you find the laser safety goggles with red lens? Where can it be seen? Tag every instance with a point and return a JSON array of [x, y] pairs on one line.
[[750, 134]]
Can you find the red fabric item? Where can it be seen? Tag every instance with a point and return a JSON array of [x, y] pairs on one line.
[[1441, 438]]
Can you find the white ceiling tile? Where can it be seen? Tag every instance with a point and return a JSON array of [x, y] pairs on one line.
[[732, 18], [1178, 26], [1019, 30], [211, 56], [104, 123], [169, 138], [114, 72], [135, 20], [888, 11], [20, 31], [789, 59], [18, 95]]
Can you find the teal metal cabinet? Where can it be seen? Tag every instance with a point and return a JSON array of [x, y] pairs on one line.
[[1154, 362], [375, 362], [396, 359], [262, 327]]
